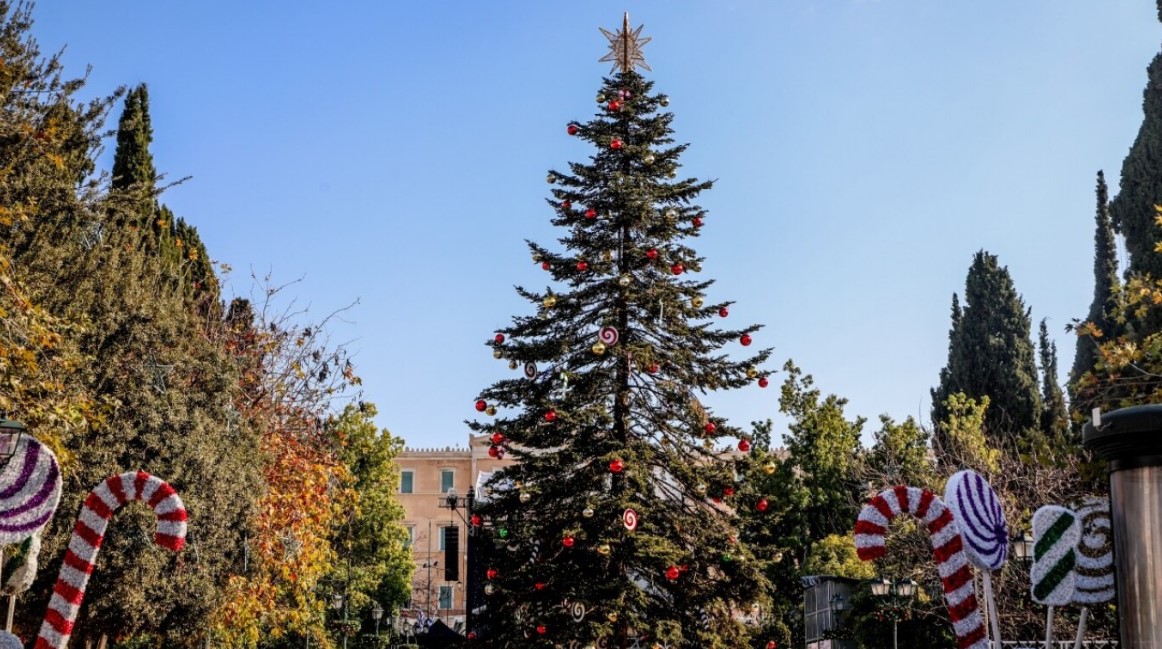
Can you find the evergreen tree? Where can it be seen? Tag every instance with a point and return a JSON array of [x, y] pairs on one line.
[[1141, 184], [1055, 416], [1106, 288], [600, 426], [133, 161], [990, 353]]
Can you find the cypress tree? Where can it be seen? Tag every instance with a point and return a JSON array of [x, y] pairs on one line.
[[1054, 416], [1106, 286], [132, 161], [1141, 183], [990, 352]]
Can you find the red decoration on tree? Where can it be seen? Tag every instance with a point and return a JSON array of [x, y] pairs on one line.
[[497, 437], [743, 445], [590, 213], [617, 466], [572, 129], [471, 635], [710, 427], [673, 573], [481, 405], [717, 500], [745, 340], [551, 416], [697, 221], [677, 269], [762, 505], [615, 105], [772, 644], [723, 312], [545, 266], [494, 452], [652, 253], [499, 338], [582, 266], [542, 629], [492, 573], [567, 205], [476, 520], [540, 585], [728, 491], [653, 368], [763, 382], [615, 144], [567, 541]]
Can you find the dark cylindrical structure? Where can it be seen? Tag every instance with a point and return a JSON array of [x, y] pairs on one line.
[[1130, 439]]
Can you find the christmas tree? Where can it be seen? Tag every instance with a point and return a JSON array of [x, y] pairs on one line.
[[618, 525]]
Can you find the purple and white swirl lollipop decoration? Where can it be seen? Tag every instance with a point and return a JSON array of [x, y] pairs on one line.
[[30, 488], [977, 508]]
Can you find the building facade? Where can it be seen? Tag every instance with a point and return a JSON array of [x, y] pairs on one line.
[[428, 476]]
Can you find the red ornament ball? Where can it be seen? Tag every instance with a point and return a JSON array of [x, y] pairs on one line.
[[673, 573], [582, 266], [652, 253], [572, 129], [653, 368], [471, 635], [617, 466], [745, 340], [497, 437], [499, 338], [542, 629], [762, 505], [772, 644], [492, 573], [545, 266], [476, 520], [567, 205], [697, 221], [710, 427], [615, 105], [551, 416], [493, 452], [615, 144], [677, 269], [728, 491], [590, 213], [717, 500], [540, 585], [481, 405], [743, 445], [763, 382], [568, 541], [723, 312]]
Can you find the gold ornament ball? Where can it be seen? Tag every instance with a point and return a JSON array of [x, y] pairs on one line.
[[700, 488], [752, 372], [512, 365], [604, 549], [496, 353], [770, 468], [624, 280], [491, 411], [587, 512], [537, 257], [696, 302], [673, 173], [665, 101], [549, 302], [599, 348], [525, 496], [671, 214], [601, 98], [551, 179], [489, 589], [649, 159], [607, 255], [612, 617]]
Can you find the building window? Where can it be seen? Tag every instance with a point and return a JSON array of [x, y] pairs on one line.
[[411, 538], [407, 482], [447, 480], [445, 597], [444, 531]]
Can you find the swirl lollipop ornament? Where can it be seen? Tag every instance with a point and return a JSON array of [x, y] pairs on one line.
[[1056, 532], [30, 488], [976, 506]]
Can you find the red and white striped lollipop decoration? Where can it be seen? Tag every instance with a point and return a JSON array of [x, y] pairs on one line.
[[629, 519], [608, 336], [947, 548], [89, 533]]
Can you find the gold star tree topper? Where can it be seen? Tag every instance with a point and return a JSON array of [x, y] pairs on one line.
[[625, 47]]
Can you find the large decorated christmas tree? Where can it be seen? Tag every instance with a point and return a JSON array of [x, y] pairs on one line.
[[617, 526]]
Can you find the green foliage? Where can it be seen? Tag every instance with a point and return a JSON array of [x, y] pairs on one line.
[[990, 354], [964, 444], [835, 555], [637, 402], [1107, 287], [1054, 418], [901, 455]]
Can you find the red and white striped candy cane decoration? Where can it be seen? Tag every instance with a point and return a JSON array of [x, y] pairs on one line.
[[947, 549], [88, 535]]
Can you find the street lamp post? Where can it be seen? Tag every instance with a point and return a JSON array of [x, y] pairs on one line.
[[339, 601], [377, 615], [455, 503], [1023, 547], [905, 588]]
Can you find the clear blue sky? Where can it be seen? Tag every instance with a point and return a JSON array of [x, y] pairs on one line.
[[395, 153]]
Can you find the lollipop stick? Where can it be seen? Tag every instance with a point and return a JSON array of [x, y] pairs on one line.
[[991, 602], [1081, 627], [1049, 628]]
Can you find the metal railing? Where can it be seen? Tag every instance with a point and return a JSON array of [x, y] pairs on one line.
[[1060, 644]]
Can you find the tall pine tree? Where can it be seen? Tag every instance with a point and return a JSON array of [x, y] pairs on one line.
[[1106, 287], [1054, 417], [990, 353], [610, 418], [1141, 184]]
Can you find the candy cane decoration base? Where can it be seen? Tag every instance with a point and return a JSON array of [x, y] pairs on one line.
[[89, 533], [947, 549]]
